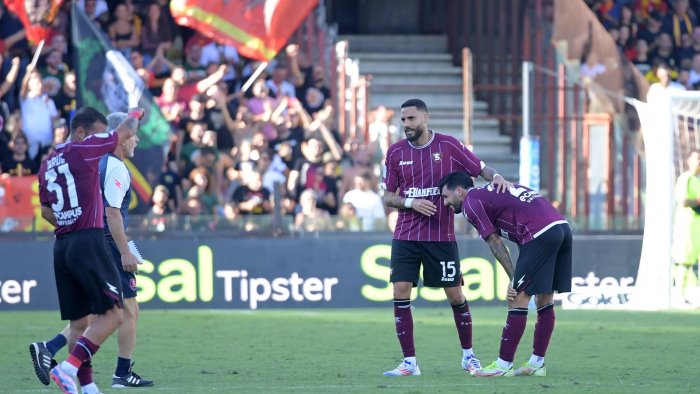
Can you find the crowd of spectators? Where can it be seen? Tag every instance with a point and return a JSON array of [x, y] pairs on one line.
[[235, 156], [660, 37]]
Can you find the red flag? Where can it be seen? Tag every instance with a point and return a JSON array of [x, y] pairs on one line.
[[36, 16], [257, 28]]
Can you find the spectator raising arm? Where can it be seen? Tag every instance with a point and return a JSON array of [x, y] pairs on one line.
[[24, 88], [212, 80], [333, 145], [231, 125], [293, 56], [14, 39], [10, 78]]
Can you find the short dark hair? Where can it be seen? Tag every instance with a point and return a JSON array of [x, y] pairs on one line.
[[457, 178], [199, 97], [418, 103], [85, 117]]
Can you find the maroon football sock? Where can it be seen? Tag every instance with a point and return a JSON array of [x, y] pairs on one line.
[[543, 330], [404, 326], [512, 332], [85, 374], [83, 351], [463, 321]]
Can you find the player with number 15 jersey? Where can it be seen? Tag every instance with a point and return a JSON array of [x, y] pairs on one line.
[[424, 236]]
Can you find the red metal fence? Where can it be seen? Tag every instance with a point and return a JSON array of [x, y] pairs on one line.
[[350, 90], [500, 35]]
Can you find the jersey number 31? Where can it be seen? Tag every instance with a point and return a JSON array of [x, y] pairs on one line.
[[52, 186]]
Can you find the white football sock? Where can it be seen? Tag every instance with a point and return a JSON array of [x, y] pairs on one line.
[[90, 389], [536, 361], [503, 364], [69, 368], [466, 353]]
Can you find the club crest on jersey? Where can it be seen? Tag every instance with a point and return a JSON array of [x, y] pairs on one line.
[[437, 156]]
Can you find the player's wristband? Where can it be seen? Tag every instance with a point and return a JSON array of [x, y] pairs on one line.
[[495, 175], [407, 202], [138, 115]]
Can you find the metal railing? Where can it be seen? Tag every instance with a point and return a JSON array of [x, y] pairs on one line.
[[496, 34], [491, 40], [350, 91], [353, 97], [590, 166]]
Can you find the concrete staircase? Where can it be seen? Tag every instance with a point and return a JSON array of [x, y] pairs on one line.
[[406, 67]]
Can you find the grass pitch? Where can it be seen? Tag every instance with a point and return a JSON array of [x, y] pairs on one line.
[[188, 351]]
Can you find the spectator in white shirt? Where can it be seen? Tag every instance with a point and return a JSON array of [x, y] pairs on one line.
[[273, 169], [367, 203], [96, 10], [665, 83], [220, 54], [694, 70], [38, 113], [278, 84]]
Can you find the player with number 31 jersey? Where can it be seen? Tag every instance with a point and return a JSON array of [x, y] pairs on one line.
[[70, 184], [87, 281]]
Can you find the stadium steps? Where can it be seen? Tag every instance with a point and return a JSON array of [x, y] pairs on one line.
[[406, 66]]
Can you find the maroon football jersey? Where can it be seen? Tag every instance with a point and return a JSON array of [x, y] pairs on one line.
[[416, 172], [69, 182], [519, 215]]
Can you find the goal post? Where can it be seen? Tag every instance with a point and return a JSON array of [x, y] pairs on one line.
[[670, 121]]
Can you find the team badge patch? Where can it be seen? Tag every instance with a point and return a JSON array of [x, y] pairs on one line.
[[437, 156]]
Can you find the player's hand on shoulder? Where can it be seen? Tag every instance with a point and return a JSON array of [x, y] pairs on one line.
[[130, 263], [425, 207], [500, 184]]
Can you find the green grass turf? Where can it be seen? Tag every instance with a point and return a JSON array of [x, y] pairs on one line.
[[188, 351]]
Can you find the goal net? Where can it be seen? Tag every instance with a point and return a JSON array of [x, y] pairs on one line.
[[671, 130]]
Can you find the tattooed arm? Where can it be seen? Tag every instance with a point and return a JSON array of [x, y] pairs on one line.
[[498, 248]]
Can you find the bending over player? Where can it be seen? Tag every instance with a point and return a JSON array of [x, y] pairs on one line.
[[544, 240]]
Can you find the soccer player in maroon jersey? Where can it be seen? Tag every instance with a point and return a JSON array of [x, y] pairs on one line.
[[425, 228], [544, 242], [86, 279], [116, 190]]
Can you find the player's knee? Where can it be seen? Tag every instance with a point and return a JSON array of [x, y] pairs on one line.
[[544, 299], [131, 309], [454, 295], [521, 301], [402, 290], [76, 328], [116, 316]]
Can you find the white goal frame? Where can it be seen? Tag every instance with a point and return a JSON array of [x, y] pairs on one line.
[[659, 119]]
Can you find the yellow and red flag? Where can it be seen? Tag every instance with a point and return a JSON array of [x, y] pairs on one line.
[[257, 28]]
